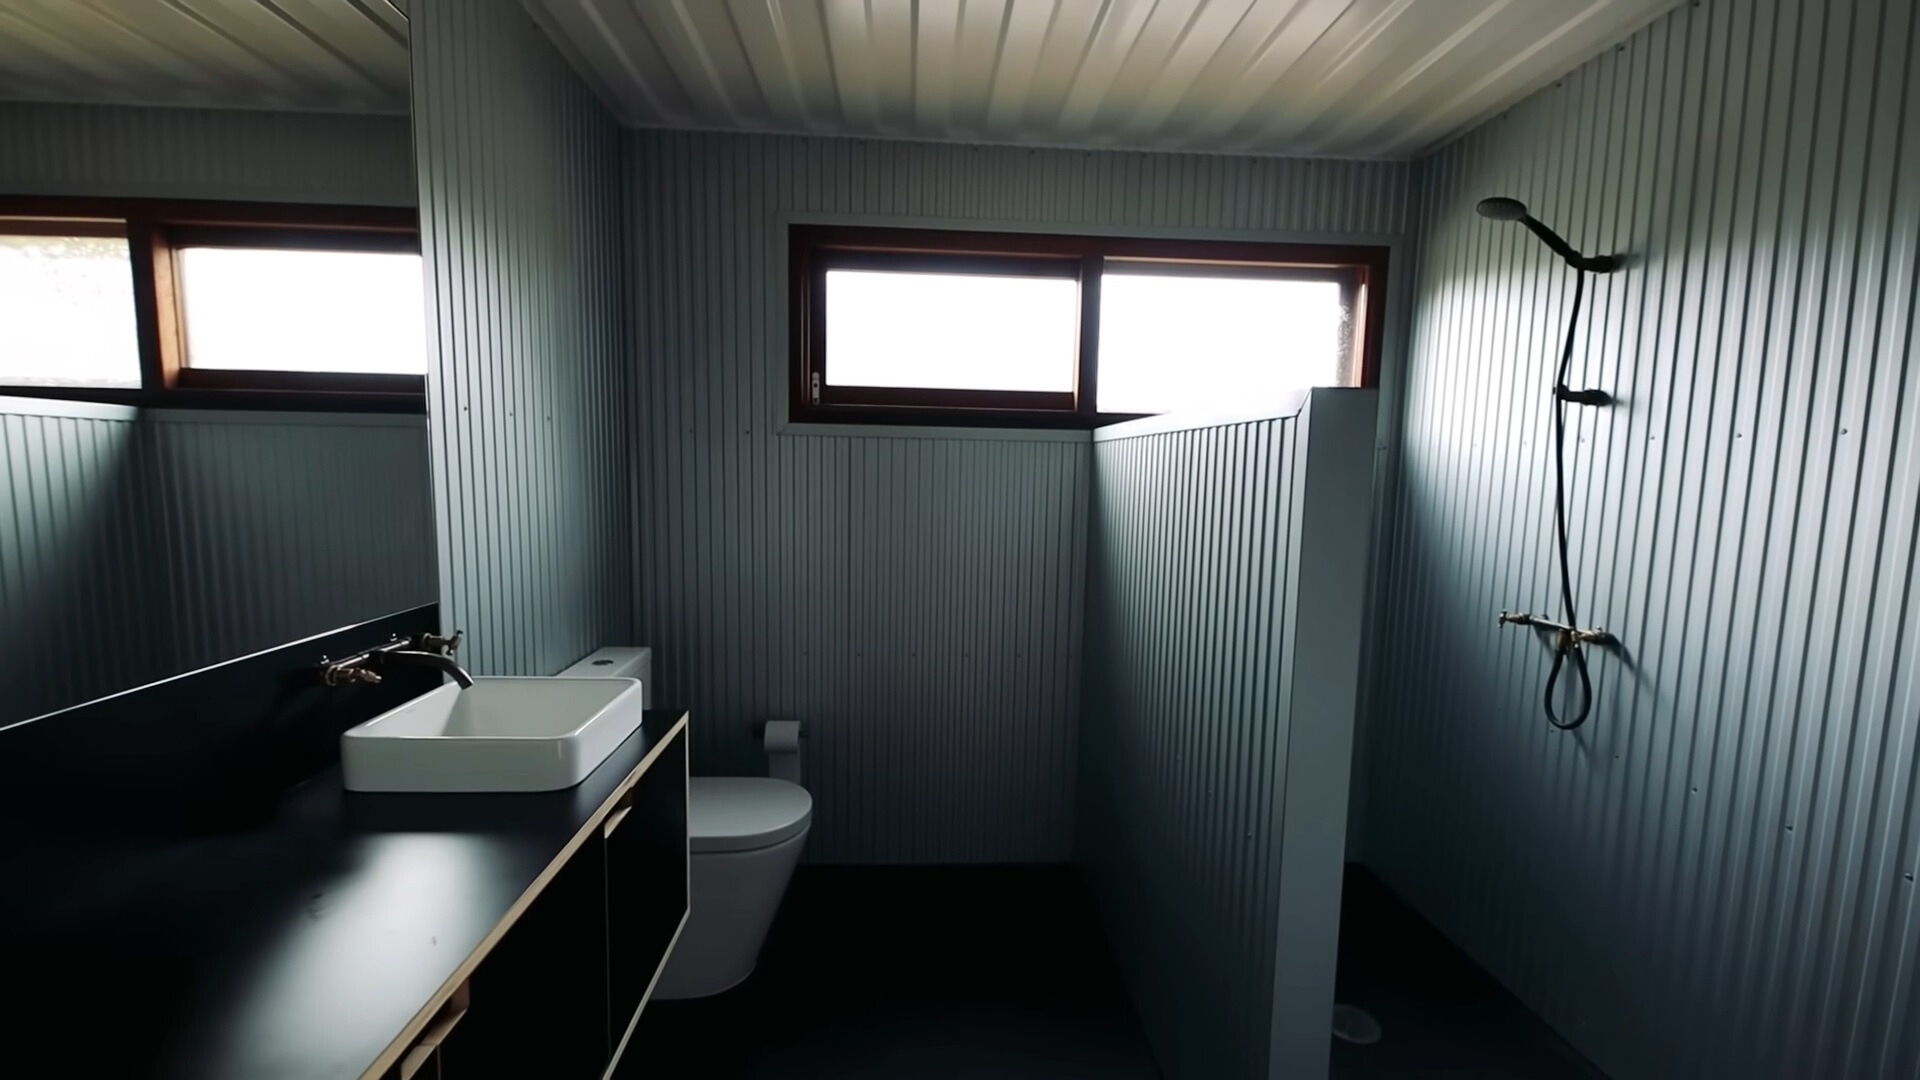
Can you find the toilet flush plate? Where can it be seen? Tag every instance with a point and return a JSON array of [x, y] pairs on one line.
[[501, 734]]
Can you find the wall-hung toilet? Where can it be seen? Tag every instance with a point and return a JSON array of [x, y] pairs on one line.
[[744, 834]]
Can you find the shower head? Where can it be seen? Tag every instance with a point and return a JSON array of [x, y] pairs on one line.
[[1501, 208]]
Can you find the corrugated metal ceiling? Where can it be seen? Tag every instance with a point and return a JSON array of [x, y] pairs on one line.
[[1360, 78], [335, 55]]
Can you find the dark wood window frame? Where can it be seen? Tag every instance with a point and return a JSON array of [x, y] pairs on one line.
[[815, 249], [155, 230]]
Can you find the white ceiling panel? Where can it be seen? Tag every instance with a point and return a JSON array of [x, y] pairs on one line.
[[1347, 78], [334, 55]]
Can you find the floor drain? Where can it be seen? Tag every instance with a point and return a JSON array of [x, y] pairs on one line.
[[1352, 1024]]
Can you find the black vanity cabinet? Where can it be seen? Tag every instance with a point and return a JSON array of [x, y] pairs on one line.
[[537, 1004], [190, 849], [646, 878], [561, 987]]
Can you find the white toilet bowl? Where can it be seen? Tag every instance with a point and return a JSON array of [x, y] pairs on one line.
[[744, 835]]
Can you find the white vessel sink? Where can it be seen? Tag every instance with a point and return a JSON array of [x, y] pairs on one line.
[[501, 734]]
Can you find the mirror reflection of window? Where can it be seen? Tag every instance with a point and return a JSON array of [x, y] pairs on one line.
[[265, 309], [66, 306], [213, 429]]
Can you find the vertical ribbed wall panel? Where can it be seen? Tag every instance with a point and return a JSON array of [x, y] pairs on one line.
[[1186, 731], [77, 582], [520, 225], [963, 566], [164, 153], [914, 601], [1715, 877], [1226, 573], [132, 550], [274, 527]]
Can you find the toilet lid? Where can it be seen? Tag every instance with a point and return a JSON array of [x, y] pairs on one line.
[[742, 813]]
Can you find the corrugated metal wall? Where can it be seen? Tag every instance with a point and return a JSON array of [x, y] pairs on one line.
[[941, 691], [1715, 877], [521, 227], [134, 549], [1218, 729], [276, 526], [1186, 731], [117, 150]]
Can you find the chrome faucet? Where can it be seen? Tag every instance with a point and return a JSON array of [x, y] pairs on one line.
[[426, 650]]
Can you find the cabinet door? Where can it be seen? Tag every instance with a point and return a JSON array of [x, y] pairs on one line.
[[646, 851], [538, 1002]]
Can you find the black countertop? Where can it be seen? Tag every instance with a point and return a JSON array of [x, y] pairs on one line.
[[299, 944]]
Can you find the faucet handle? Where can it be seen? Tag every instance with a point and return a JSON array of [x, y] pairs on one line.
[[348, 671], [442, 645]]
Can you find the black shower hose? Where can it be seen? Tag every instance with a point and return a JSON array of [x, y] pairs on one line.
[[1567, 648]]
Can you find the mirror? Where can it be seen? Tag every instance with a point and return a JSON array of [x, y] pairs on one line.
[[212, 344]]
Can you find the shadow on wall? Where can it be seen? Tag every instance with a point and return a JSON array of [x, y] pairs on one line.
[[83, 582], [1493, 682], [148, 547]]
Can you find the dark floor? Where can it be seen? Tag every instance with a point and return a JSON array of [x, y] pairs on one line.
[[1440, 1014], [913, 972], [1001, 972]]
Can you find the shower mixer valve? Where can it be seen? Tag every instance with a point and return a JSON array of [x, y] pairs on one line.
[[1583, 397], [1568, 636]]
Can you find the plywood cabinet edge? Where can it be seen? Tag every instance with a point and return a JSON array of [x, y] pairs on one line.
[[633, 1021], [594, 823]]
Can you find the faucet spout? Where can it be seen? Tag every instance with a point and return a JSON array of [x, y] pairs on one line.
[[439, 661], [425, 650]]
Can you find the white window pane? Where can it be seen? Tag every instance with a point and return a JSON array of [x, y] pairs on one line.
[[257, 309], [66, 312], [1205, 343], [952, 331]]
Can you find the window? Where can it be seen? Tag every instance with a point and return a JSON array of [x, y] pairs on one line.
[[907, 326], [209, 304], [974, 331], [66, 306], [1176, 342]]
